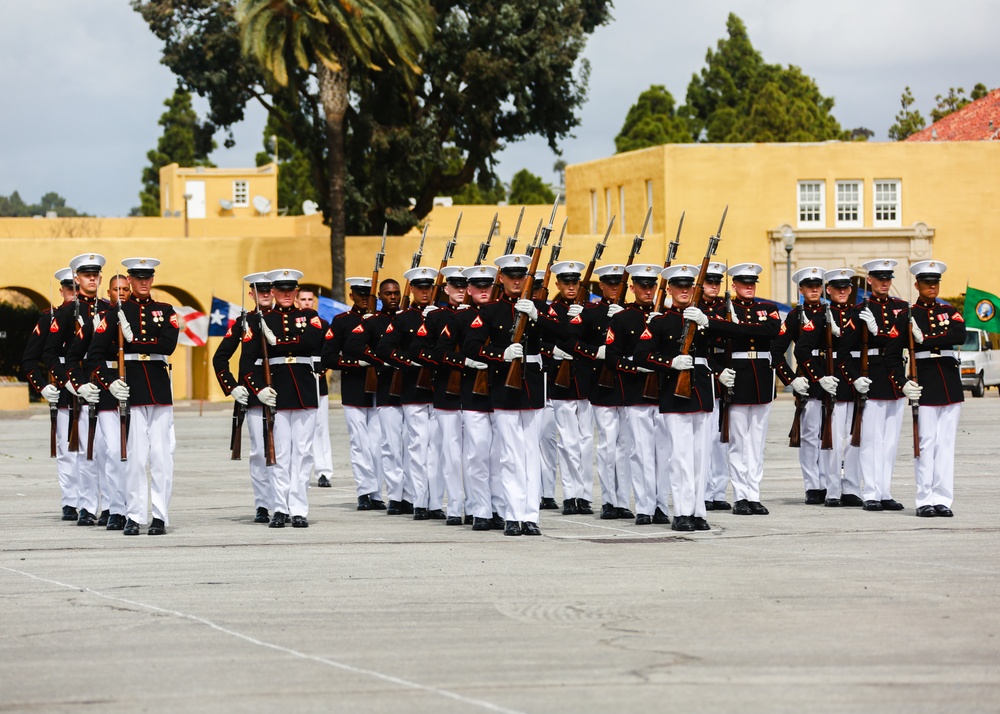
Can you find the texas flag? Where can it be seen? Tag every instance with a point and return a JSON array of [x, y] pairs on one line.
[[222, 317], [194, 330]]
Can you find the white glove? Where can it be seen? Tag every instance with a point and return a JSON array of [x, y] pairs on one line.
[[800, 385], [869, 319], [123, 323], [614, 308], [89, 391], [834, 328], [651, 315], [70, 388], [268, 397], [682, 362], [727, 377], [862, 385], [268, 335], [696, 316], [240, 394], [912, 390], [119, 390], [560, 354], [829, 384], [732, 313], [602, 352], [51, 393], [98, 316], [918, 334], [574, 310], [475, 364], [525, 306], [513, 352], [429, 309], [364, 363]]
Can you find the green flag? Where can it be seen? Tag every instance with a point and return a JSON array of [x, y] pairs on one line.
[[982, 310]]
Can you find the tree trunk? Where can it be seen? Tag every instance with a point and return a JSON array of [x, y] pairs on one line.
[[333, 96]]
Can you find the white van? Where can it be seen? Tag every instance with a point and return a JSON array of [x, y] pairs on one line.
[[980, 360]]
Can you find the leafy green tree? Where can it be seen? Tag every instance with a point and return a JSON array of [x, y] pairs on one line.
[[185, 140], [955, 99], [740, 98], [13, 206], [528, 189], [652, 121], [908, 121]]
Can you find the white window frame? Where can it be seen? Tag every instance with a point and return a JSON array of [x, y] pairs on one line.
[[895, 206], [649, 203], [593, 211], [607, 203], [819, 209], [245, 192], [621, 207], [849, 205]]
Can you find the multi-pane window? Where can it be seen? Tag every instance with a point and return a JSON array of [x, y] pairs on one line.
[[593, 211], [887, 203], [607, 203], [812, 204], [621, 208], [850, 210], [241, 193]]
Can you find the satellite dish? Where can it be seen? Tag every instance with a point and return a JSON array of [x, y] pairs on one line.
[[262, 205], [309, 208], [226, 204]]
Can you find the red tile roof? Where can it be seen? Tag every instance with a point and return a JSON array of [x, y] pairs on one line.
[[978, 121]]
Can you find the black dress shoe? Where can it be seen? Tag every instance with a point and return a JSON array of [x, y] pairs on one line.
[[262, 516], [926, 511], [278, 520], [103, 519], [624, 513], [943, 511], [116, 522], [512, 528], [891, 504], [453, 521], [832, 503], [481, 524], [377, 503], [421, 514], [850, 499], [131, 528], [569, 507], [323, 481], [497, 522], [549, 504], [583, 507], [742, 508], [643, 520], [872, 506], [469, 520], [608, 512], [721, 506], [406, 508], [709, 505], [815, 496], [393, 509], [700, 524], [659, 517], [69, 513], [757, 508], [156, 527], [299, 522], [436, 514], [364, 503], [86, 518], [682, 523], [530, 529]]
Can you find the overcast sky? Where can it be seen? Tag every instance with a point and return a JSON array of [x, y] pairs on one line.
[[82, 87]]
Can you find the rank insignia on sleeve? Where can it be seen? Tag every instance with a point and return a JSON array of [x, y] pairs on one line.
[[774, 314], [957, 317], [388, 329], [329, 333], [315, 322], [103, 326], [358, 329], [478, 322], [422, 330], [893, 332], [173, 320], [445, 332], [809, 326], [248, 334], [783, 329], [36, 331], [576, 320], [229, 332], [646, 335], [552, 312], [610, 338], [53, 326]]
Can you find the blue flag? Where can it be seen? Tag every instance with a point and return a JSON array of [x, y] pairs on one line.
[[222, 317], [328, 308]]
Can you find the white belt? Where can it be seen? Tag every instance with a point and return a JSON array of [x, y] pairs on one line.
[[872, 352], [139, 357], [752, 355], [935, 355], [534, 359], [286, 360]]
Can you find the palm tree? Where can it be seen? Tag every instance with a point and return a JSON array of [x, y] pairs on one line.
[[329, 34]]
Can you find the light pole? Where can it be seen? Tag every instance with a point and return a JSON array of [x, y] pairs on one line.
[[187, 197], [788, 238]]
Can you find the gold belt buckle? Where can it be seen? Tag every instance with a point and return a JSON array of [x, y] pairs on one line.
[[289, 359], [143, 357]]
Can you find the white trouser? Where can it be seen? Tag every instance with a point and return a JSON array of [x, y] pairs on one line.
[[362, 429], [640, 422], [150, 443], [435, 477], [108, 456], [477, 450], [613, 448], [685, 437], [844, 455], [322, 459], [520, 462], [935, 467], [448, 440], [880, 425], [747, 432], [575, 424], [260, 472], [819, 470], [417, 451], [375, 445], [293, 435], [78, 478], [718, 465], [397, 486], [498, 499], [549, 435]]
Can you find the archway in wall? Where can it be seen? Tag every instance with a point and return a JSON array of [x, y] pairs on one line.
[[39, 300], [190, 365]]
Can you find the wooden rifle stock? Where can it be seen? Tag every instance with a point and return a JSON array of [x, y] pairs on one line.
[[371, 374], [91, 429], [53, 427], [652, 388], [236, 439], [795, 432]]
